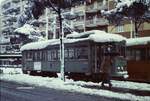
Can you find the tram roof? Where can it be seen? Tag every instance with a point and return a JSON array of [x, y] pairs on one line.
[[138, 41], [94, 35]]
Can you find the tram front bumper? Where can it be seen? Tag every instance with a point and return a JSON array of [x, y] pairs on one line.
[[123, 74]]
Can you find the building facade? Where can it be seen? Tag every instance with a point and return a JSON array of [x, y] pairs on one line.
[[10, 11], [88, 17], [127, 27]]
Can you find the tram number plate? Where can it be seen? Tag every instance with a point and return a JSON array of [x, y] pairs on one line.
[[37, 65]]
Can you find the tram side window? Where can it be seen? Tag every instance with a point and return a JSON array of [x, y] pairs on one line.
[[71, 53], [138, 55], [49, 55], [29, 55], [58, 54], [82, 53], [52, 55], [66, 53], [130, 54], [44, 55], [39, 55], [24, 55], [134, 55], [143, 54], [35, 56]]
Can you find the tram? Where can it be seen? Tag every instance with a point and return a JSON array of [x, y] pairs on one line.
[[83, 54], [10, 60], [138, 59]]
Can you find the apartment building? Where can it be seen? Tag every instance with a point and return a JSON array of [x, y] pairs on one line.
[[0, 22], [10, 11], [127, 28], [88, 17]]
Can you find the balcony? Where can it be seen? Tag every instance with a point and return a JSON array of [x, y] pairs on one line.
[[5, 40], [11, 9], [102, 21], [95, 7], [96, 22], [13, 25], [101, 6], [79, 27], [91, 23], [78, 23], [79, 8], [9, 18], [92, 8]]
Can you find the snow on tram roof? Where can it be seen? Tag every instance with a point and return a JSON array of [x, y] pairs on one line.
[[95, 35], [44, 44], [38, 45], [98, 36], [102, 36], [138, 41]]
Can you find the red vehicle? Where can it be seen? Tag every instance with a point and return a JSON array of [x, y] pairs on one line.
[[138, 56]]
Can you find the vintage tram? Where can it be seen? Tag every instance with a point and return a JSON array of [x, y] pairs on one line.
[[10, 60], [83, 54], [138, 59]]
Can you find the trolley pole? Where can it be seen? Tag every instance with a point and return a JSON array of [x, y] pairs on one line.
[[62, 68]]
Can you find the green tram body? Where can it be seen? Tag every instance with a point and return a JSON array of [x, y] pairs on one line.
[[82, 58], [49, 59]]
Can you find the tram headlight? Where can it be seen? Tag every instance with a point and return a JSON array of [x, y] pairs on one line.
[[125, 76], [118, 69]]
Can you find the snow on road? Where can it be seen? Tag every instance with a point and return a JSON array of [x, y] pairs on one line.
[[78, 86]]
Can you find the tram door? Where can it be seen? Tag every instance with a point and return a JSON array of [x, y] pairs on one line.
[[97, 58]]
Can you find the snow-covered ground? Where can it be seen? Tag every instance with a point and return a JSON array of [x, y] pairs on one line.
[[11, 70], [78, 86]]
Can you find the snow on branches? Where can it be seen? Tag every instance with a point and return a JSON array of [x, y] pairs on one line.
[[132, 9], [136, 10]]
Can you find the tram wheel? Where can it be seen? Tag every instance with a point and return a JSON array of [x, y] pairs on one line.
[[48, 74], [33, 73]]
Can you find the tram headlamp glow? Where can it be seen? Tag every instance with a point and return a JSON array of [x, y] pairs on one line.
[[125, 76]]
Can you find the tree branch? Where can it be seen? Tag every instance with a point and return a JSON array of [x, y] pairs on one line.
[[53, 7]]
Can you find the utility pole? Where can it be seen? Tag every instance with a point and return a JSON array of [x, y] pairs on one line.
[[62, 70], [21, 6], [84, 25], [46, 16], [54, 28], [131, 32]]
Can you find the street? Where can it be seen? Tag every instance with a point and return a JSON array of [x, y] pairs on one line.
[[11, 91]]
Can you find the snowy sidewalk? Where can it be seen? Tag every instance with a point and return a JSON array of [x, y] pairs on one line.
[[121, 89]]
